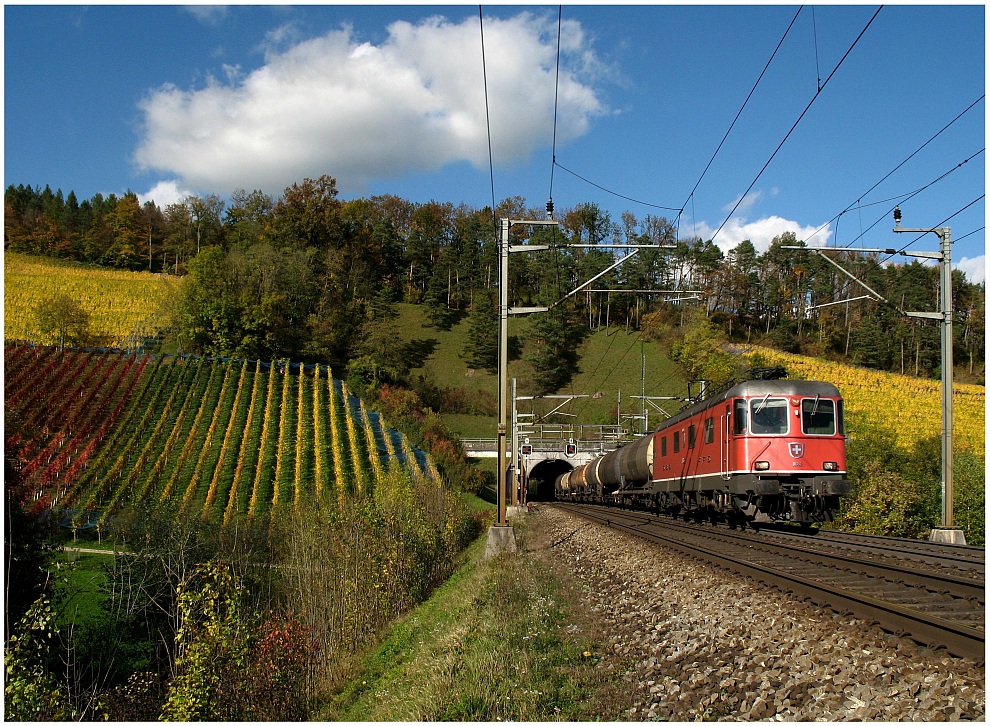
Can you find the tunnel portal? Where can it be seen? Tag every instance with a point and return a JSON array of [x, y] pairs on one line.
[[542, 478]]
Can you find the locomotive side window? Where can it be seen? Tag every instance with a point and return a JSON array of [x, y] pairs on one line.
[[677, 441], [692, 435], [769, 415], [663, 446], [709, 430], [818, 417], [739, 419]]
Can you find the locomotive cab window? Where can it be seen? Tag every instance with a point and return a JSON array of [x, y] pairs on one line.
[[692, 435], [677, 441], [818, 417], [768, 415], [741, 414], [663, 446], [709, 430]]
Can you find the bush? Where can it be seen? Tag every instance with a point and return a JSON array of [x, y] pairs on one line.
[[969, 485], [31, 691], [230, 666], [884, 503], [350, 570], [898, 493]]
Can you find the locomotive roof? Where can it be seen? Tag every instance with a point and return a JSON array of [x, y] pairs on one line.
[[760, 388], [781, 388]]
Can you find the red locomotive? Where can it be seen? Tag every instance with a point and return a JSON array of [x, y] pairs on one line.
[[760, 451]]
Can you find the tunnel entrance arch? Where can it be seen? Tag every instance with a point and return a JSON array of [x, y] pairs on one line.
[[542, 477]]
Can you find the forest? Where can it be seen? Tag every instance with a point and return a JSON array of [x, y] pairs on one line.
[[310, 276]]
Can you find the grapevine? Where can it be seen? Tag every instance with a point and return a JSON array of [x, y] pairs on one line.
[[360, 472], [242, 454], [340, 473], [264, 467], [187, 446], [284, 428], [120, 430], [218, 408], [305, 444], [319, 437], [219, 470]]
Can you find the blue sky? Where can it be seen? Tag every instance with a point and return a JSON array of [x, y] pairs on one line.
[[173, 100]]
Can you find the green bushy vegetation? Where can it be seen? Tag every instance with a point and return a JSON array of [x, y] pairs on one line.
[[898, 493], [199, 622]]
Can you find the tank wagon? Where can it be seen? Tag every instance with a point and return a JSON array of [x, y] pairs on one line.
[[760, 451]]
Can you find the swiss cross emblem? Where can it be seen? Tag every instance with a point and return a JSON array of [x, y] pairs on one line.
[[797, 450]]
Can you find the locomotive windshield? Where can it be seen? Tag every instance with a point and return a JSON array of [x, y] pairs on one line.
[[818, 416], [768, 415]]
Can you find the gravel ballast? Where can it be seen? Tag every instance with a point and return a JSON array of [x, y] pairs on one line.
[[697, 642]]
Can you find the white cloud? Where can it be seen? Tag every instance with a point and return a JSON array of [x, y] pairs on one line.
[[760, 232], [208, 14], [363, 112], [974, 267], [745, 204], [165, 193]]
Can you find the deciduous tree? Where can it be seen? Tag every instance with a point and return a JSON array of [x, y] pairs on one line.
[[63, 320]]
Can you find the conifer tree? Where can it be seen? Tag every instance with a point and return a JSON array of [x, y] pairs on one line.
[[482, 345]]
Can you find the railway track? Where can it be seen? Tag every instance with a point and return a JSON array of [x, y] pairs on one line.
[[964, 560], [928, 603]]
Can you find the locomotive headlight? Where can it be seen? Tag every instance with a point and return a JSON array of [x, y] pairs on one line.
[[831, 466], [762, 465]]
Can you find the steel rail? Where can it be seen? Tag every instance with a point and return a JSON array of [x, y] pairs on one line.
[[969, 557], [958, 638]]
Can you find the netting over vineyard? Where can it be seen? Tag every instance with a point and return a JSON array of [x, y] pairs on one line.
[[220, 439]]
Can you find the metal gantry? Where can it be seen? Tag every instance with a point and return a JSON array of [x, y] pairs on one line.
[[505, 249], [948, 531]]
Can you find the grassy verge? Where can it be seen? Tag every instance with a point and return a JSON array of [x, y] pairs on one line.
[[85, 576], [504, 639]]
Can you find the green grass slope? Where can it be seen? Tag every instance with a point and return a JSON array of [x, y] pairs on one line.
[[613, 363]]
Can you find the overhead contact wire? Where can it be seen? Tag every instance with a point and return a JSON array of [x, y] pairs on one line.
[[609, 191], [899, 197], [911, 156], [742, 108], [799, 119], [556, 89], [488, 121]]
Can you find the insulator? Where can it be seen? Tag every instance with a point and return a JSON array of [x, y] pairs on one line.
[[550, 208]]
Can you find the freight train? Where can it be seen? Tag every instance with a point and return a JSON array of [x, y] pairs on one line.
[[764, 450]]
